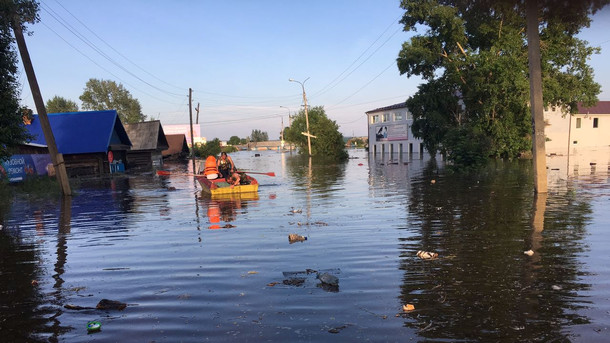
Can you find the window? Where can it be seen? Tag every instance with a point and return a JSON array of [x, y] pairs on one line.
[[385, 117], [409, 116], [578, 123], [374, 119], [595, 122], [398, 116]]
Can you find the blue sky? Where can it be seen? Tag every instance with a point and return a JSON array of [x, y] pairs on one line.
[[237, 56]]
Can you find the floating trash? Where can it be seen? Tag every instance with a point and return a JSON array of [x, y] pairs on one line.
[[293, 238], [106, 304], [94, 326], [529, 252], [408, 307], [426, 255]]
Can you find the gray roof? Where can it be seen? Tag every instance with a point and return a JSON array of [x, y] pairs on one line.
[[147, 135]]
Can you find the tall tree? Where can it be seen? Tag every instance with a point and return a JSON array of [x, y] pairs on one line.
[[234, 140], [59, 104], [329, 140], [475, 54], [258, 136], [108, 95], [12, 130]]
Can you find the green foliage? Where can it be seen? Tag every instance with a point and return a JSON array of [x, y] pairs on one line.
[[210, 148], [258, 136], [60, 105], [329, 140], [228, 149], [473, 58], [12, 130], [466, 147], [102, 95], [234, 140]]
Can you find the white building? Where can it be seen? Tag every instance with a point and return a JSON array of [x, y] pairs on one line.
[[390, 131], [578, 143], [173, 129]]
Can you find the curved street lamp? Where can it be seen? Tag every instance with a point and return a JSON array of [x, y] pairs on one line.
[[306, 115]]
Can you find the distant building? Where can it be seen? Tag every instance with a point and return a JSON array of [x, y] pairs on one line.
[[185, 129], [178, 148], [390, 131], [578, 142], [148, 141]]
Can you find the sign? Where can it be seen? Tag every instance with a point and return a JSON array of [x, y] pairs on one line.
[[110, 156], [391, 132], [18, 167]]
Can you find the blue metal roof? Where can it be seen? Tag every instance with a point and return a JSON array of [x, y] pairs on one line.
[[82, 132]]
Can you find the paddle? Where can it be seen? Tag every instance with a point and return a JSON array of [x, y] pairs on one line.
[[168, 173], [251, 172]]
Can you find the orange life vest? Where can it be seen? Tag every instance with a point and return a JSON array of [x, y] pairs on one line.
[[210, 166]]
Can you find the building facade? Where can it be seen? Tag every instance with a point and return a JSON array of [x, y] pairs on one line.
[[389, 132]]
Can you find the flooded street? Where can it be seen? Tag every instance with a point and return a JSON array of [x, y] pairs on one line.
[[195, 269]]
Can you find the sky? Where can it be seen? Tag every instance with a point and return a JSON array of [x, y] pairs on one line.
[[237, 57]]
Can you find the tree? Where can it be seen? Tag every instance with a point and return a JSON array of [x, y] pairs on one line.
[[60, 105], [210, 148], [258, 136], [473, 59], [234, 140], [108, 95], [329, 140], [12, 130]]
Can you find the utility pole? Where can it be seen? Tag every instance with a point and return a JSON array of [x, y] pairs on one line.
[[197, 118], [306, 115], [56, 157], [535, 71], [191, 120]]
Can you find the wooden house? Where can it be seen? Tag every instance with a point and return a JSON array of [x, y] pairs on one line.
[[91, 142], [148, 141], [178, 147]]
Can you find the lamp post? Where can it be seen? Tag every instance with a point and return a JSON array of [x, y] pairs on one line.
[[289, 125], [306, 115]]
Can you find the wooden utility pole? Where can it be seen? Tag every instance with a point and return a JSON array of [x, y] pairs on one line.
[[191, 120], [535, 71], [56, 157], [197, 118]]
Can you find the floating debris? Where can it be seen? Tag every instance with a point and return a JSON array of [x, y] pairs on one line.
[[34, 282], [293, 238], [529, 252], [77, 307], [293, 210], [408, 307], [94, 326], [252, 272], [271, 284], [426, 255], [556, 288], [432, 182], [329, 279], [106, 304], [338, 328]]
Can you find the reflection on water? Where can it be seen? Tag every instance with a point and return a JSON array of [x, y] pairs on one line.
[[145, 241]]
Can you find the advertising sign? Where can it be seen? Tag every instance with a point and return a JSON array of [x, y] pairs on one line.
[[391, 132], [18, 167]]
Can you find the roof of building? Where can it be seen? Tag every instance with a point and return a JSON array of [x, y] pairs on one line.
[[82, 132], [602, 107], [177, 145], [147, 135], [387, 108]]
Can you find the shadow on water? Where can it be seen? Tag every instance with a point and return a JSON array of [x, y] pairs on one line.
[[483, 286], [318, 173]]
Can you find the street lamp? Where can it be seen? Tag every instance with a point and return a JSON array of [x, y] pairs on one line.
[[306, 115]]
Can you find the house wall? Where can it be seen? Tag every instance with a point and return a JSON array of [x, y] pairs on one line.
[[390, 133], [575, 132]]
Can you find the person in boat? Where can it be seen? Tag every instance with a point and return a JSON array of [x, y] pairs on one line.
[[225, 165], [234, 180], [210, 169]]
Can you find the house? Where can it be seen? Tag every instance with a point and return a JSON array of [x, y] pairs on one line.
[[178, 148], [148, 141], [578, 142], [91, 142], [389, 131]]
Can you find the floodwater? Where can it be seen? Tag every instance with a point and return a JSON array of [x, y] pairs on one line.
[[195, 269]]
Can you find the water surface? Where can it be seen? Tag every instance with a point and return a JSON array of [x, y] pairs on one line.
[[191, 268]]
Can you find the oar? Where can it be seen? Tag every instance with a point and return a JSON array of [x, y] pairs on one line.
[[251, 172], [168, 173]]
